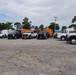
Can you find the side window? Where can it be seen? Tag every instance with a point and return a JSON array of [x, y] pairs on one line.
[[72, 31]]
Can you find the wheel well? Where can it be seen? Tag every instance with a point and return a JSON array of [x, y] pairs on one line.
[[62, 36], [72, 37]]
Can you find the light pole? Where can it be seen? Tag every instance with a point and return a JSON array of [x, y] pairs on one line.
[[55, 23]]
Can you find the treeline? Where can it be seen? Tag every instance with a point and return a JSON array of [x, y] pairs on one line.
[[7, 25], [26, 24]]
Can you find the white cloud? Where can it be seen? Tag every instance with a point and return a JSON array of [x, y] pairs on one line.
[[39, 11]]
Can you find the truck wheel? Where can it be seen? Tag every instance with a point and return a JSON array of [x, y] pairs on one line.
[[22, 37], [62, 38], [3, 36], [46, 37], [9, 37], [15, 37], [38, 38], [73, 41]]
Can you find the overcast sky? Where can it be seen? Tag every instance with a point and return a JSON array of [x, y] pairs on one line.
[[38, 11]]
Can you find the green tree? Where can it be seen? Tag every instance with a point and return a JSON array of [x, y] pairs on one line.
[[63, 28], [72, 26], [74, 19], [26, 23], [18, 25], [41, 27], [57, 27], [36, 28], [8, 25], [1, 26], [54, 26]]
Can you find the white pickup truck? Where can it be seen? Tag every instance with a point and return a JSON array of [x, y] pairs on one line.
[[29, 35], [62, 36]]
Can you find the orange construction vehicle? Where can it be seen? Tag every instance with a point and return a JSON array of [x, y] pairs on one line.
[[50, 31]]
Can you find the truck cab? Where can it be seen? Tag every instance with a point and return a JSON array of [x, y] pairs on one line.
[[62, 36]]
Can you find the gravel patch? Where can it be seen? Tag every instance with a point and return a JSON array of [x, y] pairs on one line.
[[37, 57]]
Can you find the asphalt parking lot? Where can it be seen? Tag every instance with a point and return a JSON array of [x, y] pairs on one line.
[[37, 57]]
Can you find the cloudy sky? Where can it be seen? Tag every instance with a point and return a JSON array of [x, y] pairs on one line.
[[38, 11]]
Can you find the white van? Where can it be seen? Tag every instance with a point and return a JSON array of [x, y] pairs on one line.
[[4, 33]]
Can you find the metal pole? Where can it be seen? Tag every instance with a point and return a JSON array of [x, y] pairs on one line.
[[55, 23]]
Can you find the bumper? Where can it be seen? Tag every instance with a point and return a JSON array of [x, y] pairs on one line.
[[41, 37], [24, 36], [11, 37]]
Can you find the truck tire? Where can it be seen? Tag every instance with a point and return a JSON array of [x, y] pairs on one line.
[[3, 36], [22, 37], [9, 37], [62, 38], [38, 38], [15, 37], [73, 41], [46, 37]]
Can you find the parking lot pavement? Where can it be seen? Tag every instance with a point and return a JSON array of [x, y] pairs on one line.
[[37, 57]]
